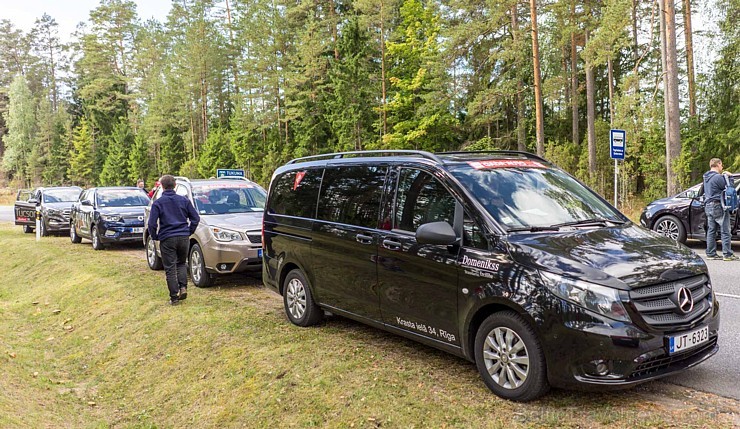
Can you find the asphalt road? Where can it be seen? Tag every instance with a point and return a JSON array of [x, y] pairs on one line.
[[6, 214], [721, 373]]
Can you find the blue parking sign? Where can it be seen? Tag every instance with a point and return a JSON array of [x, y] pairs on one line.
[[617, 143]]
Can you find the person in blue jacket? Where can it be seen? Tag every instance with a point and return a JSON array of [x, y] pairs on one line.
[[172, 221], [714, 184]]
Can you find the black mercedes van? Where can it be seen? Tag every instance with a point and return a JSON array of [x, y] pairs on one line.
[[498, 257]]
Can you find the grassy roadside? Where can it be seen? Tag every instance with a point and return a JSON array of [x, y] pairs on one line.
[[86, 340]]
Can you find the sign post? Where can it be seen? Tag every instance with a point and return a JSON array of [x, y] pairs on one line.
[[38, 223], [617, 149]]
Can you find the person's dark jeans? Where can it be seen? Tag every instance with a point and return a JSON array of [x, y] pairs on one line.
[[716, 216], [174, 258]]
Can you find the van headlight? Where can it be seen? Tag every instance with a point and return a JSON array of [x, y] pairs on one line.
[[222, 234], [599, 299]]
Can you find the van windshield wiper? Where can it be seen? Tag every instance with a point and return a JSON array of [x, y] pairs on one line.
[[556, 227], [589, 222]]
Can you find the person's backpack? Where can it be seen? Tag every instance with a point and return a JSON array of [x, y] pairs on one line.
[[729, 196]]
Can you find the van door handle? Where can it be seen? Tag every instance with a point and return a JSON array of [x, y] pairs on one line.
[[364, 239], [391, 245]]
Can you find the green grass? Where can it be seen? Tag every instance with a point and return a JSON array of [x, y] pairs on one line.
[[87, 340]]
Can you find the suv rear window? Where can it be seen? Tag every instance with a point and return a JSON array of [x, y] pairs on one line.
[[228, 198], [295, 193]]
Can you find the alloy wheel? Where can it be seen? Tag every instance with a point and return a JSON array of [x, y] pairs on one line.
[[296, 298], [506, 358]]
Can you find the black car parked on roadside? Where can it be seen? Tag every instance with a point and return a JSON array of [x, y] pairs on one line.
[[54, 203], [682, 216], [108, 215], [498, 257]]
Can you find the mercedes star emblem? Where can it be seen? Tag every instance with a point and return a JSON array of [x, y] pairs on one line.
[[684, 300]]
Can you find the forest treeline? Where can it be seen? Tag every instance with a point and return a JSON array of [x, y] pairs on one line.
[[253, 83]]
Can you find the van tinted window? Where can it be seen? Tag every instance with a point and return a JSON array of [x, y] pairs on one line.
[[351, 195], [421, 199], [295, 193]]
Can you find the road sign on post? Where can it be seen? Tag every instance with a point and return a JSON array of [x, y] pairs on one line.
[[617, 143], [617, 149], [229, 172]]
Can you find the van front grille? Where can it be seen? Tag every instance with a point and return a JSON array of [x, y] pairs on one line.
[[658, 305]]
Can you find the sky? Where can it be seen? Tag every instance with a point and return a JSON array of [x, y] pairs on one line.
[[68, 13]]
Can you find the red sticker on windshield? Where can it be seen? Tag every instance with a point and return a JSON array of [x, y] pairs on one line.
[[506, 163], [298, 177]]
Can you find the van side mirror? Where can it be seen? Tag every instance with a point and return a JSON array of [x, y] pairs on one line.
[[438, 233]]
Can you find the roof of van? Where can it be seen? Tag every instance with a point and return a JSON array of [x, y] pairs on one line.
[[439, 158]]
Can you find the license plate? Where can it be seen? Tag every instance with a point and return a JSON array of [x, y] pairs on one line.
[[679, 343], [137, 230], [259, 253]]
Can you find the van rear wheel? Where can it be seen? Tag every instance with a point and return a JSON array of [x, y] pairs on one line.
[[299, 304], [509, 357]]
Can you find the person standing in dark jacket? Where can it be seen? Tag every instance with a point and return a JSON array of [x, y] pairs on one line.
[[172, 221], [714, 184]]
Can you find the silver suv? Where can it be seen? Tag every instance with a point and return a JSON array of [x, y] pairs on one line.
[[229, 236]]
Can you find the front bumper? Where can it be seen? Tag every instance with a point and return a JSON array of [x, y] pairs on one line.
[[119, 232], [232, 257], [57, 223], [631, 354]]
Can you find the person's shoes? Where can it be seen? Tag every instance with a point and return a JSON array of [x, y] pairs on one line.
[[731, 258], [174, 302], [183, 293], [714, 257]]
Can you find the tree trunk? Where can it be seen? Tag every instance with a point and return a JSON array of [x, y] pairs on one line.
[[521, 136], [610, 67], [574, 84], [233, 51], [673, 142], [590, 113], [384, 113], [537, 80], [689, 57]]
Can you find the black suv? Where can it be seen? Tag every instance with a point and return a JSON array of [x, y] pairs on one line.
[[108, 215], [498, 257], [54, 204]]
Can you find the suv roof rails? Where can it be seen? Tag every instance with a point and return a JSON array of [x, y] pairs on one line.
[[338, 155], [233, 178], [497, 152]]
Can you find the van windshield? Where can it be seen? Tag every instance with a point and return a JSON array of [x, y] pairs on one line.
[[228, 198], [532, 195]]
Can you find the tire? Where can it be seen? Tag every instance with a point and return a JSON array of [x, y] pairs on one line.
[[298, 301], [73, 237], [43, 230], [669, 226], [197, 268], [97, 244], [505, 337], [28, 229], [152, 259]]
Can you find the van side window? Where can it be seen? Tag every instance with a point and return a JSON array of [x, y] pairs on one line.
[[295, 193], [473, 234], [421, 199], [351, 195]]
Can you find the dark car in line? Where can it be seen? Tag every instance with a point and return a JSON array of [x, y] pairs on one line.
[[54, 204], [108, 215], [681, 216], [499, 257]]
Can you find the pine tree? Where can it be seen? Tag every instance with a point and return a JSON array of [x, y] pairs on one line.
[[82, 160], [116, 166]]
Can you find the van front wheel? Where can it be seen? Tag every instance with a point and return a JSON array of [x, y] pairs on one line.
[[299, 305], [509, 357]]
